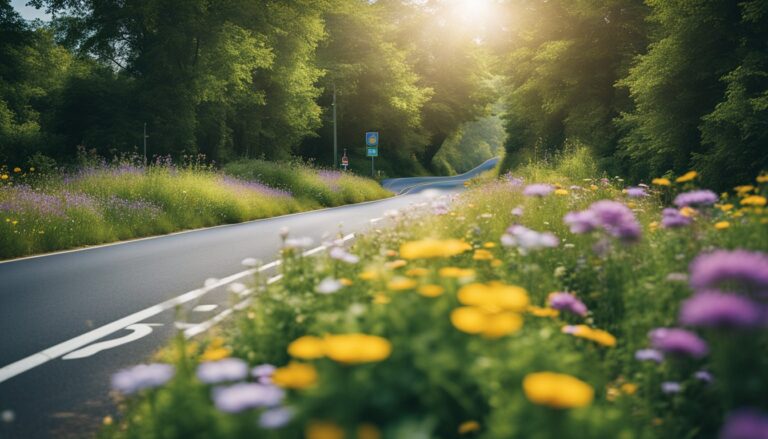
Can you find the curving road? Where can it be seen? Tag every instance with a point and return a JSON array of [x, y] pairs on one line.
[[69, 320]]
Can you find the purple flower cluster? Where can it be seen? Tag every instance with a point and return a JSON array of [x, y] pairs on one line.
[[228, 369], [538, 190], [716, 309], [120, 206], [526, 239], [141, 377], [649, 355], [567, 302], [636, 192], [671, 218], [23, 199], [735, 269], [330, 178], [244, 186], [678, 341], [745, 424], [613, 217], [243, 396], [696, 198]]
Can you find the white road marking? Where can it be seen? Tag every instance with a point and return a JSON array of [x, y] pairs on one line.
[[11, 370], [140, 330], [205, 308], [375, 220]]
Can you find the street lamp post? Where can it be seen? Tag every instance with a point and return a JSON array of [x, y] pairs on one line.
[[335, 137]]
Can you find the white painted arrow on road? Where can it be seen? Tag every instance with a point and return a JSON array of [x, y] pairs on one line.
[[139, 330]]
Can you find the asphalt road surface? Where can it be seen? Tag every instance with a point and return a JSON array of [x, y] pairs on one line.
[[69, 320]]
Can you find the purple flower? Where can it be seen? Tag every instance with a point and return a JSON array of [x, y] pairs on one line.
[[636, 192], [745, 424], [696, 198], [538, 190], [678, 341], [263, 370], [737, 268], [672, 218], [616, 219], [670, 387], [228, 369], [716, 309], [275, 418], [567, 302], [649, 355], [143, 376], [581, 222], [704, 376], [244, 396], [527, 239]]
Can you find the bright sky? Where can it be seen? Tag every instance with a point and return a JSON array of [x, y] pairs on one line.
[[28, 12]]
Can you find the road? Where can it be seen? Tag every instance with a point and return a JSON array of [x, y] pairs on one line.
[[69, 320]]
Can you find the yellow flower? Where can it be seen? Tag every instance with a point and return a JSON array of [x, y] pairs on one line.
[[496, 263], [346, 282], [399, 263], [401, 284], [724, 207], [543, 312], [661, 182], [381, 299], [688, 211], [629, 388], [433, 248], [489, 245], [4, 177], [307, 348], [688, 176], [762, 178], [357, 348], [722, 225], [744, 189], [474, 320], [456, 272], [597, 335], [17, 169], [417, 272], [593, 187], [561, 192], [107, 420], [431, 290], [468, 427], [369, 275], [32, 169], [368, 431], [653, 226], [494, 296], [482, 255], [391, 253], [557, 390], [295, 376], [215, 350], [323, 430], [753, 200]]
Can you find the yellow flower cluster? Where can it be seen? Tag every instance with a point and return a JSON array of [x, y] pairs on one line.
[[216, 350], [597, 335], [557, 390], [688, 176], [433, 248], [295, 376], [343, 348], [491, 310]]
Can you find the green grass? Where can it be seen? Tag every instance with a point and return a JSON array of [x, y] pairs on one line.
[[106, 203], [438, 377]]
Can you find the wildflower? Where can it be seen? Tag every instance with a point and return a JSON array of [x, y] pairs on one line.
[[740, 268], [613, 217], [345, 282], [517, 211], [678, 341], [671, 218], [567, 302], [557, 390], [661, 182], [696, 198], [216, 351], [399, 263], [275, 418], [722, 225], [762, 178], [744, 189], [636, 192], [243, 396], [299, 243], [381, 299], [323, 430], [704, 376], [32, 169], [141, 377], [456, 272], [4, 177], [475, 320], [581, 222], [263, 371], [538, 190], [745, 423], [561, 192], [725, 207], [17, 169], [307, 348], [494, 296], [649, 355], [688, 176], [670, 387], [107, 420], [716, 309], [401, 284], [340, 254], [527, 239], [496, 263], [468, 427], [597, 335], [295, 376], [431, 290], [369, 275], [228, 369], [433, 248], [629, 388], [482, 255], [328, 286], [357, 348], [753, 200], [417, 272], [543, 312]]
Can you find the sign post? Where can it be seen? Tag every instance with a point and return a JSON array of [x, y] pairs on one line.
[[345, 159], [372, 148]]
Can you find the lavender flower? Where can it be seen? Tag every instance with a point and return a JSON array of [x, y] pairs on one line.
[[745, 424], [672, 218], [328, 286], [649, 355], [581, 222], [670, 387], [340, 254], [228, 369], [704, 376], [275, 418], [617, 219], [696, 198], [517, 211], [567, 302], [526, 239], [263, 373], [243, 396], [144, 376], [538, 190], [716, 309], [636, 192], [737, 268], [678, 341], [252, 187]]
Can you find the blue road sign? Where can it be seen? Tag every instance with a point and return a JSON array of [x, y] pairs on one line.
[[372, 138], [373, 151]]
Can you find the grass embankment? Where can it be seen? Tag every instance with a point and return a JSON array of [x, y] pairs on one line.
[[106, 203], [447, 326]]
